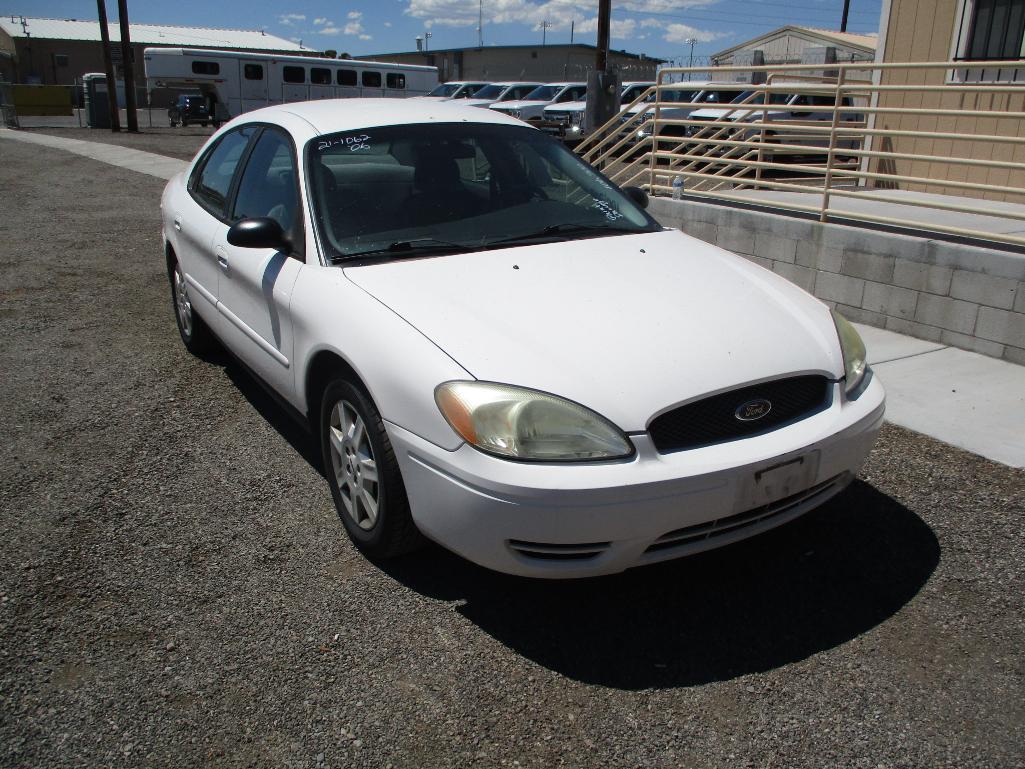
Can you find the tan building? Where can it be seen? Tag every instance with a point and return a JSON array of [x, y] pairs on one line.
[[542, 63], [60, 51], [798, 45], [954, 31]]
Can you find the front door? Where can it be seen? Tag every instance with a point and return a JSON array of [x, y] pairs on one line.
[[255, 287]]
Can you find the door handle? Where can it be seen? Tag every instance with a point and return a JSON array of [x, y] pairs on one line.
[[178, 223], [222, 262]]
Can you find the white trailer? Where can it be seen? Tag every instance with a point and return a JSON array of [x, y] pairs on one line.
[[235, 82]]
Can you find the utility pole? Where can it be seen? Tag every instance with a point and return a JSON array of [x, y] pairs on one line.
[[544, 32], [480, 24], [601, 61], [843, 20], [126, 59], [602, 83], [108, 64], [572, 25]]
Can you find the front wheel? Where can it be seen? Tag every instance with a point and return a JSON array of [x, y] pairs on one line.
[[363, 474]]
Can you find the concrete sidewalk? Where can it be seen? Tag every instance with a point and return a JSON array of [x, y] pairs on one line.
[[968, 400], [124, 157]]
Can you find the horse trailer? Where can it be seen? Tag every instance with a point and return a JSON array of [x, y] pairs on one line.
[[234, 82]]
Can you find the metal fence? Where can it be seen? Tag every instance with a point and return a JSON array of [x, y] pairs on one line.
[[834, 134], [8, 114]]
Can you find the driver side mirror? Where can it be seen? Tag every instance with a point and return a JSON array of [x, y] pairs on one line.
[[259, 232], [637, 195]]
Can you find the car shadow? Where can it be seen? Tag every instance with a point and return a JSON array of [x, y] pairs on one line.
[[270, 408], [808, 586], [775, 599]]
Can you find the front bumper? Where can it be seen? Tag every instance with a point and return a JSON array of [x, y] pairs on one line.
[[580, 520]]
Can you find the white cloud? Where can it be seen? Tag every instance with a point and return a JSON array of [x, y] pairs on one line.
[[681, 33], [355, 14], [387, 24], [330, 29], [366, 37], [289, 19], [320, 22], [559, 14]]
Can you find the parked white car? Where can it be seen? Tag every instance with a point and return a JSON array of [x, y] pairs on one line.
[[454, 89], [501, 351], [684, 95], [500, 92], [531, 107], [783, 114], [567, 120]]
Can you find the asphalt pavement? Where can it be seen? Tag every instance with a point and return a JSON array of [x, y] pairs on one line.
[[179, 590]]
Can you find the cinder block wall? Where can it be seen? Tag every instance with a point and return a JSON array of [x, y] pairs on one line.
[[962, 296]]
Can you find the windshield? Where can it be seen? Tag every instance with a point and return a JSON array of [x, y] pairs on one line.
[[464, 186], [543, 93], [631, 93], [492, 91], [445, 89], [759, 98]]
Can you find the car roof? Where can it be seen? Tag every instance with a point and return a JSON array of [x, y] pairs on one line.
[[333, 115]]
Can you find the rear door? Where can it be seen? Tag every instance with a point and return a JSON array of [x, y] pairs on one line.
[[202, 213]]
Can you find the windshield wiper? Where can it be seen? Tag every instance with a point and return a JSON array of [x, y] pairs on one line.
[[414, 247], [568, 228]]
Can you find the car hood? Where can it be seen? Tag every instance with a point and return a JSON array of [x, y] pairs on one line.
[[629, 325], [476, 102], [520, 104], [732, 114], [567, 106]]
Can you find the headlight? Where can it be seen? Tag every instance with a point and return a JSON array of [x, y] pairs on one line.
[[515, 113], [517, 423], [853, 350]]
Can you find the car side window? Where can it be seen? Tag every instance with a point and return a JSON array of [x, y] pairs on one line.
[[269, 186], [211, 182]]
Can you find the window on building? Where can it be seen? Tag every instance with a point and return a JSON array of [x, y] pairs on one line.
[[371, 79], [347, 77], [206, 68], [253, 71], [320, 76], [60, 59], [995, 30], [293, 74], [395, 80]]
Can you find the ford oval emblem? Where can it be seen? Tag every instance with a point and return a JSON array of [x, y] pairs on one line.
[[752, 410]]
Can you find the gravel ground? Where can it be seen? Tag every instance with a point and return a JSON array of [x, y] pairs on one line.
[[179, 590], [182, 143]]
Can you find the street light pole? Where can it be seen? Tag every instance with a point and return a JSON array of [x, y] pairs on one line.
[[843, 20], [108, 64], [126, 62], [690, 75], [544, 32], [427, 41]]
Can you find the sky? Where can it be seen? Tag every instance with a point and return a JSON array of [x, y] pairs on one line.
[[659, 28]]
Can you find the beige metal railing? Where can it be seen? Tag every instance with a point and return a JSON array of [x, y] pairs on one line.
[[867, 132]]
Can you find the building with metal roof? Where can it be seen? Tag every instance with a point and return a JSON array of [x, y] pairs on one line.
[[543, 63], [794, 44], [60, 51]]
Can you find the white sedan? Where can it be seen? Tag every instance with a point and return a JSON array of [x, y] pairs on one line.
[[501, 351]]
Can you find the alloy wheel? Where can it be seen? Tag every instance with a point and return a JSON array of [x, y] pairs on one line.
[[354, 465]]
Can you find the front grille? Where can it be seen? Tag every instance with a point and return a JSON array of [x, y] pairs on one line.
[[558, 117], [558, 552], [713, 420], [711, 529]]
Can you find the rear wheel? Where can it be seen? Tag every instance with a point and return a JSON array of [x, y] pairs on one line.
[[363, 474], [195, 334]]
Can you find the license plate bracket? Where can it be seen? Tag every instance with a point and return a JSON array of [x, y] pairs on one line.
[[778, 481]]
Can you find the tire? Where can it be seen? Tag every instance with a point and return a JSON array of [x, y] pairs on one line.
[[353, 441], [185, 123], [195, 334]]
